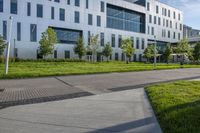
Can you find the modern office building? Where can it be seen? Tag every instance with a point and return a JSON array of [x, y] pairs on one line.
[[189, 32], [144, 21]]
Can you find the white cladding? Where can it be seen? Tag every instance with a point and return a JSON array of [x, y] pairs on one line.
[[27, 49]]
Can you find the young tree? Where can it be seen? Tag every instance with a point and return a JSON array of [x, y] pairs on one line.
[[167, 53], [127, 48], [183, 49], [79, 48], [196, 52], [107, 51], [47, 42], [2, 48], [2, 45], [93, 46], [149, 52]]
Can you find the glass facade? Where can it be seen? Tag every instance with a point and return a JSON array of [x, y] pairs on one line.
[[138, 2], [67, 36], [123, 19]]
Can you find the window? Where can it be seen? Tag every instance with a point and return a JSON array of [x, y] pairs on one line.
[[87, 4], [102, 39], [67, 36], [1, 5], [174, 15], [179, 36], [99, 21], [174, 35], [132, 41], [124, 19], [113, 40], [5, 30], [152, 30], [150, 18], [89, 19], [77, 17], [157, 9], [119, 41], [62, 14], [179, 16], [170, 24], [159, 21], [143, 43], [116, 56], [15, 52], [18, 31], [39, 11], [52, 13], [137, 43], [167, 23], [13, 6], [33, 32], [55, 54], [67, 54], [89, 34], [169, 13], [102, 6], [68, 2], [155, 20], [148, 30], [57, 1], [77, 2], [148, 6], [168, 34], [28, 9], [181, 26]]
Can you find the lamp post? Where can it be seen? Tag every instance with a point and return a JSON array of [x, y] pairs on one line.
[[8, 46], [155, 54]]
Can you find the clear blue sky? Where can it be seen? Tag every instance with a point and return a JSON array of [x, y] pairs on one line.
[[191, 10]]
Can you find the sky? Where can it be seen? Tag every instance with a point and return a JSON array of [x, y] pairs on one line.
[[191, 11]]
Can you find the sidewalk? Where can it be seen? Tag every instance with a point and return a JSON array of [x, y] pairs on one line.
[[125, 112]]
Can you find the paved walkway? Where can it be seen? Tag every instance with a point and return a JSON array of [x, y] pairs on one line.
[[122, 112], [26, 91], [106, 112]]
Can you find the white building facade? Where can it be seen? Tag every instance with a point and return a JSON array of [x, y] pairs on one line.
[[144, 21]]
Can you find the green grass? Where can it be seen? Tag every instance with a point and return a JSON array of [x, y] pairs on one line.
[[41, 69], [177, 106]]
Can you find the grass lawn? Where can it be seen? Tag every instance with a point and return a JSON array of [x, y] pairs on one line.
[[177, 106], [40, 69]]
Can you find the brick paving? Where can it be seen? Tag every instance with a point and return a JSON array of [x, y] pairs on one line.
[[19, 95]]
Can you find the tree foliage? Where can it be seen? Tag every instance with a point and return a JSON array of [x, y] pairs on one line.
[[127, 48], [107, 50], [149, 52], [80, 48], [47, 42], [184, 49], [196, 52], [2, 45], [167, 53], [93, 46]]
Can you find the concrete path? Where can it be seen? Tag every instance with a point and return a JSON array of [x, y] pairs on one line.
[[123, 112]]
